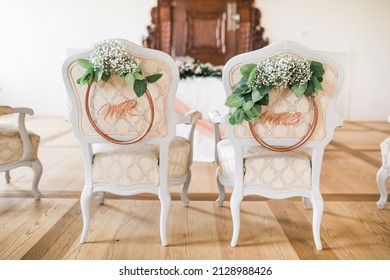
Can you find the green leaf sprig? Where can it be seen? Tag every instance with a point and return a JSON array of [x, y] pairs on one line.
[[110, 57], [251, 92]]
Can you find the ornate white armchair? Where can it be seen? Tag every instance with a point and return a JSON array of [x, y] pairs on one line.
[[288, 161], [383, 172], [19, 147], [129, 143]]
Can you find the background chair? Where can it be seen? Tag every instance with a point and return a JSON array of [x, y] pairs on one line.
[[252, 169], [383, 172], [19, 147], [151, 165]]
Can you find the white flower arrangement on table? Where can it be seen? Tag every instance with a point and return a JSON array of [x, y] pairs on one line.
[[284, 71], [198, 69], [111, 57]]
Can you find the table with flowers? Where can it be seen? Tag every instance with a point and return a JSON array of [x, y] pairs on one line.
[[200, 88]]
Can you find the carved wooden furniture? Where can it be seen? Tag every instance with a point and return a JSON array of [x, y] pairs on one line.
[[151, 165], [19, 147], [252, 169], [384, 172], [207, 30]]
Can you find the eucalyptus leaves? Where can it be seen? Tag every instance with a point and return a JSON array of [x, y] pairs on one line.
[[252, 91], [110, 57]]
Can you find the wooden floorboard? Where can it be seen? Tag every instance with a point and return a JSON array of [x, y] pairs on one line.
[[352, 228]]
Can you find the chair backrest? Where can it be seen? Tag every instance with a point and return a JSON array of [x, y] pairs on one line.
[[287, 118], [115, 108]]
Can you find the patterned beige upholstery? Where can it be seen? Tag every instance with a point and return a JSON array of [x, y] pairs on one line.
[[11, 146], [266, 169], [129, 166], [19, 147], [5, 110]]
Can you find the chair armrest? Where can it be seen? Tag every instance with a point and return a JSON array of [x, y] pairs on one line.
[[190, 118], [23, 110], [194, 116], [388, 119], [216, 119], [7, 110], [26, 141]]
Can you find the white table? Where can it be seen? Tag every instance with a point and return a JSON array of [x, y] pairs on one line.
[[204, 95]]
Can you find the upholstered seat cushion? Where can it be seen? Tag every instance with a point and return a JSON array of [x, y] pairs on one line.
[[385, 150], [11, 146], [130, 165], [267, 169]]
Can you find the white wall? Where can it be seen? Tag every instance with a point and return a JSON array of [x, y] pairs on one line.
[[356, 30], [36, 36]]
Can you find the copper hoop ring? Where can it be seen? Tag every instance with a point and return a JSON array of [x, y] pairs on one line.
[[297, 145], [112, 140]]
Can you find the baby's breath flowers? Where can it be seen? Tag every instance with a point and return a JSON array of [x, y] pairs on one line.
[[111, 57], [283, 71]]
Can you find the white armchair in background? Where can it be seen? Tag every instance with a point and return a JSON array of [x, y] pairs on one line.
[[19, 147], [384, 172]]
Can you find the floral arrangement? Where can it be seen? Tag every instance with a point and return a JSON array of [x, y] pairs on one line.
[[111, 57], [284, 71], [198, 69]]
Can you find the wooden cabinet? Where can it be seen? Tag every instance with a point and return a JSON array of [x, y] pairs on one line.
[[208, 30]]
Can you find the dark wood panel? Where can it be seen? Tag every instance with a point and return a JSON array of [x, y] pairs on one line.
[[207, 30]]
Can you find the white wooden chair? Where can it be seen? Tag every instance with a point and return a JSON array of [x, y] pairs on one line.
[[383, 172], [150, 165], [252, 169], [19, 147]]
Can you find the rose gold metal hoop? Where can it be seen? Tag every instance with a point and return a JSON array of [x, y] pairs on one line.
[[295, 146], [113, 140]]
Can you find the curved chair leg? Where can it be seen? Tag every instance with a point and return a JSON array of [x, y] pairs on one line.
[[318, 209], [184, 191], [165, 201], [37, 168], [235, 202], [101, 198], [306, 203], [381, 177], [7, 177], [221, 189], [85, 203]]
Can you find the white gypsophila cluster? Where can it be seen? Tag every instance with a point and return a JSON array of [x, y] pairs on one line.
[[301, 72], [282, 71], [111, 55], [129, 65]]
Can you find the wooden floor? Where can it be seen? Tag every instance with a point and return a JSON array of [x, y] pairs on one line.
[[128, 228]]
